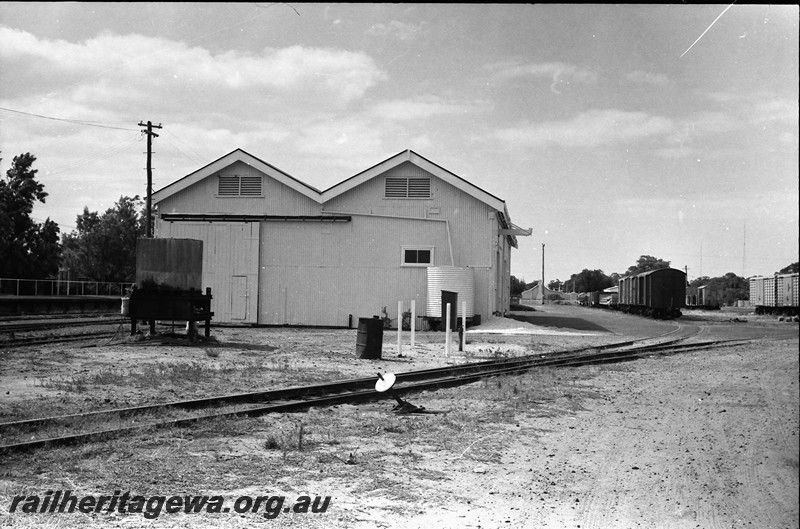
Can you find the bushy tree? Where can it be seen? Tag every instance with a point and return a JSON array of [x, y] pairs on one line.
[[729, 288], [28, 249], [555, 285], [103, 248], [645, 263], [591, 281], [791, 269], [517, 287]]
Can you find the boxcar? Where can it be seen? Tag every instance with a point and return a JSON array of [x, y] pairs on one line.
[[658, 293], [776, 295]]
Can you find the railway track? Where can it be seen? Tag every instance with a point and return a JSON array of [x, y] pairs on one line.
[[53, 323], [40, 332], [101, 425]]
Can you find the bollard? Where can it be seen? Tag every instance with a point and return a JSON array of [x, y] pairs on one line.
[[447, 332], [462, 337], [399, 328], [413, 320]]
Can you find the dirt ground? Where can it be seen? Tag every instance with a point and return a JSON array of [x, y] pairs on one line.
[[705, 439]]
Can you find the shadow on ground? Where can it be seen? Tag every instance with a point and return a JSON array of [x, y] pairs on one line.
[[537, 318]]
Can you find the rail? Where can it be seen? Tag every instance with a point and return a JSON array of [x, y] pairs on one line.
[[59, 287], [36, 434]]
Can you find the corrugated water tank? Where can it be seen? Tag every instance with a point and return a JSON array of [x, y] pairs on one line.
[[169, 264], [453, 279]]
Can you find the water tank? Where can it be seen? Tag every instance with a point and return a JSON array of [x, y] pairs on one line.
[[453, 279], [169, 264]]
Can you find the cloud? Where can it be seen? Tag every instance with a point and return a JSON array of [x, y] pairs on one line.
[[589, 129], [106, 65], [423, 107], [398, 30], [641, 77], [777, 110], [558, 73], [702, 124]]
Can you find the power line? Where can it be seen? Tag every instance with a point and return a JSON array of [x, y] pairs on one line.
[[73, 121], [193, 155], [101, 155]]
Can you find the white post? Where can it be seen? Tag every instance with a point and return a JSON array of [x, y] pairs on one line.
[[463, 324], [447, 332], [399, 328], [413, 320]]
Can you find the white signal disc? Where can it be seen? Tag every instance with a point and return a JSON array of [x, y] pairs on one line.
[[385, 383]]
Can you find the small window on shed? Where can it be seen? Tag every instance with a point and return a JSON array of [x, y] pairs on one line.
[[407, 187], [417, 256], [239, 186]]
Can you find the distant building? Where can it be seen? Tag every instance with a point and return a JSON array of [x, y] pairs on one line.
[[280, 252], [535, 293]]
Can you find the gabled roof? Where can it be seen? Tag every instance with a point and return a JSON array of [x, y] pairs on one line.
[[424, 163], [342, 187], [237, 156]]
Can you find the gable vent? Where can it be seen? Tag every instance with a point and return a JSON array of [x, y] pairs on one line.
[[250, 186], [235, 185], [407, 187]]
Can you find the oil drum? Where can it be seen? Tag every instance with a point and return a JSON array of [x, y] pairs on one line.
[[369, 340]]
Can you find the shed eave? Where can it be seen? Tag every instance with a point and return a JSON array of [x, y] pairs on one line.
[[236, 156], [422, 162]]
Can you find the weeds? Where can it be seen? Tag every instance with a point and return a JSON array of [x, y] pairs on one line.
[[156, 375], [286, 440]]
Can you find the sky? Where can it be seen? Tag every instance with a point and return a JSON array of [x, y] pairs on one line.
[[611, 131]]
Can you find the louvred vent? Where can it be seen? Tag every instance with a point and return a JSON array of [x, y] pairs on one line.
[[405, 187], [245, 186]]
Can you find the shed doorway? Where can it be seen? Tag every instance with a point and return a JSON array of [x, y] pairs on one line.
[[238, 297]]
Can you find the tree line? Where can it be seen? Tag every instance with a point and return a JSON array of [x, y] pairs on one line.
[[101, 248]]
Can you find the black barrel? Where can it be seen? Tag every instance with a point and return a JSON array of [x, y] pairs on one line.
[[369, 342]]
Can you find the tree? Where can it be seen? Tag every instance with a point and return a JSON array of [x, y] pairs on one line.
[[555, 285], [726, 289], [791, 269], [591, 281], [645, 263], [103, 248], [517, 287], [28, 249]]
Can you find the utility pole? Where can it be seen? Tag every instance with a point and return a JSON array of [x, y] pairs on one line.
[[543, 296], [148, 210]]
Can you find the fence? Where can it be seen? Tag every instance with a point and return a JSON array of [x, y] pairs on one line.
[[57, 287]]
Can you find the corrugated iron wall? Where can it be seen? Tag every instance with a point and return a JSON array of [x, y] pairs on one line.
[[320, 273], [230, 265], [202, 197]]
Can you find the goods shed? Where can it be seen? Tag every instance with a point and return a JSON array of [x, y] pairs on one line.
[[280, 252]]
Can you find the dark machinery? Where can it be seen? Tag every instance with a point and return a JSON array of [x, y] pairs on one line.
[[191, 306], [168, 278]]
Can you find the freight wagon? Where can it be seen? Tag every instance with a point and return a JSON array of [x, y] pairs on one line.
[[658, 293], [775, 295]]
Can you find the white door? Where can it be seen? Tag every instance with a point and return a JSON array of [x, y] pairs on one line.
[[238, 297]]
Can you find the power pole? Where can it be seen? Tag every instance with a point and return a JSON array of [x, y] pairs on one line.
[[543, 296], [148, 210]]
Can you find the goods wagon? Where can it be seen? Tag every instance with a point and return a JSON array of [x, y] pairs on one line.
[[658, 293], [775, 295]]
